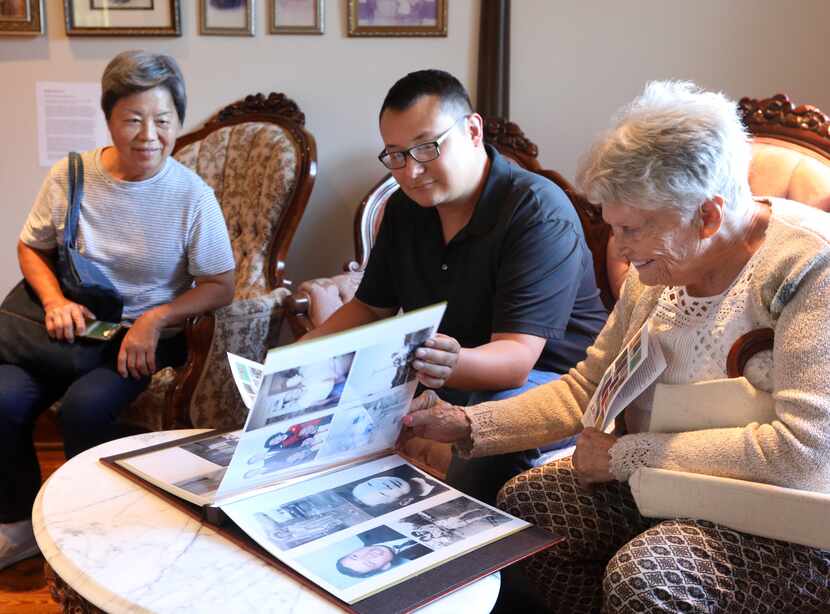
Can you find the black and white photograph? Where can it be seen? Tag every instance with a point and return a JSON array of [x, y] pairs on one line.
[[450, 522], [296, 445], [389, 490], [362, 556], [217, 450], [22, 17], [302, 390], [304, 520], [226, 17], [297, 16], [385, 366], [203, 485], [123, 17], [397, 17]]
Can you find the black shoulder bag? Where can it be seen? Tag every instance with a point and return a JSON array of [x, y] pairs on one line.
[[23, 337]]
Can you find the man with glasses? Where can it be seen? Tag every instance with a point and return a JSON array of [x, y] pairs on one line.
[[503, 246]]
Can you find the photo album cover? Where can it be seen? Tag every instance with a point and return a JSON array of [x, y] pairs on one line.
[[313, 476]]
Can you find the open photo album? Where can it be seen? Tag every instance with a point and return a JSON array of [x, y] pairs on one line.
[[313, 478]]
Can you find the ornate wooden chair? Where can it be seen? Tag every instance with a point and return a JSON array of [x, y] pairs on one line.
[[261, 163], [315, 300]]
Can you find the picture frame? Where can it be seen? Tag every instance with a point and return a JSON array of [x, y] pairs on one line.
[[397, 17], [123, 17], [226, 17], [297, 16], [21, 17]]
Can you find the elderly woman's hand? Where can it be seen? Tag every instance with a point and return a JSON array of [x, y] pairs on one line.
[[591, 459], [436, 359], [64, 319], [137, 356], [432, 418]]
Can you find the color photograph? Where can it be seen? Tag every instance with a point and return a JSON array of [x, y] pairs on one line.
[[226, 17], [297, 16], [397, 17], [296, 445], [123, 17]]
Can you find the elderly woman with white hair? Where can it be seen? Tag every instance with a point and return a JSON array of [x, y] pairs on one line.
[[710, 263]]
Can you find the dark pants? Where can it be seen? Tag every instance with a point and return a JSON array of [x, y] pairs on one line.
[[88, 416], [483, 477]]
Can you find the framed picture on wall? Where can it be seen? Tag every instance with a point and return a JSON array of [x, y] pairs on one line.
[[397, 17], [229, 17], [297, 16], [123, 17], [21, 17]]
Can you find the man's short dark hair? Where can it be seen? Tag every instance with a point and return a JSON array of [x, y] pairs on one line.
[[431, 82], [348, 571]]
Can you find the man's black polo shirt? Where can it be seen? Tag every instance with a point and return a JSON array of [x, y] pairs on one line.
[[520, 265]]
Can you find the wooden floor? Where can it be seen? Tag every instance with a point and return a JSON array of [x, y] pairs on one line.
[[22, 586]]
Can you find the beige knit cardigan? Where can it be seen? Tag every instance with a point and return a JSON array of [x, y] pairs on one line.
[[790, 292]]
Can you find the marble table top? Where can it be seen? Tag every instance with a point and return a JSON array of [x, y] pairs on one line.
[[125, 550]]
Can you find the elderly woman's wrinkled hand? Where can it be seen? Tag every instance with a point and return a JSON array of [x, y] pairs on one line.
[[64, 319], [431, 418], [137, 356], [436, 359], [591, 459]]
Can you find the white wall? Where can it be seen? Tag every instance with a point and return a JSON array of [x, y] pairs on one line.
[[574, 63], [338, 82]]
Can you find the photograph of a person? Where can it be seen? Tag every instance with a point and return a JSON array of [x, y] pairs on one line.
[[299, 522], [124, 5], [218, 450], [385, 366], [389, 490], [297, 444], [450, 522], [303, 390], [364, 555]]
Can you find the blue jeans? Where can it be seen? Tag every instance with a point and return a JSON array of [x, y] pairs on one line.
[[88, 416], [483, 477]]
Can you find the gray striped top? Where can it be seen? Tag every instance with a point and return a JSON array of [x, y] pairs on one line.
[[150, 237]]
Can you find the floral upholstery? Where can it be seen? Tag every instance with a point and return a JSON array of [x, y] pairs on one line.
[[252, 169]]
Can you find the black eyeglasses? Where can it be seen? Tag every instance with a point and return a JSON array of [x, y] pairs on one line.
[[422, 152]]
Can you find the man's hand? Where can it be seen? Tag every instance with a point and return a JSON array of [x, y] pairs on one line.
[[591, 459], [431, 418], [137, 356], [436, 359], [64, 319]]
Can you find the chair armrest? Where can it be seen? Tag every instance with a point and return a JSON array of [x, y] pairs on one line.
[[316, 299], [198, 331]]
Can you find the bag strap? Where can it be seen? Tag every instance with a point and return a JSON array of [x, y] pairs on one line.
[[75, 192]]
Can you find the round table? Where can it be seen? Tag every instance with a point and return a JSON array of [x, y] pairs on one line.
[[123, 549]]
